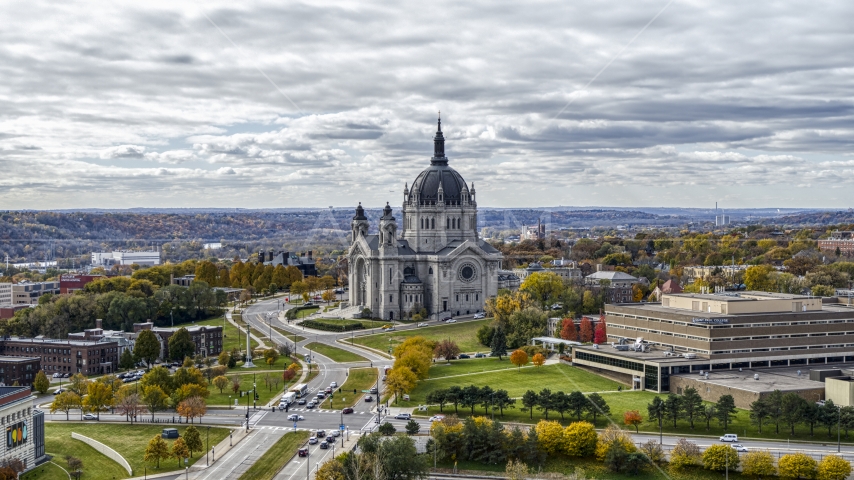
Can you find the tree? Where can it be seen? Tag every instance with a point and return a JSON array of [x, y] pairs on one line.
[[271, 355], [289, 374], [146, 348], [41, 383], [692, 404], [586, 334], [796, 465], [99, 398], [759, 412], [758, 277], [560, 403], [544, 287], [400, 381], [568, 330], [519, 358], [387, 429], [793, 407], [580, 439], [502, 400], [484, 335], [75, 466], [829, 415], [332, 469], [126, 360], [653, 451], [65, 402], [673, 408], [155, 399], [600, 336], [545, 401], [539, 360], [499, 344], [529, 401], [446, 349], [596, 405], [718, 457], [632, 418], [181, 345], [194, 440], [758, 464], [192, 407], [516, 470], [550, 435], [412, 427], [709, 412], [79, 384], [470, 397], [223, 358], [221, 382], [156, 450], [657, 409], [577, 404], [180, 450], [131, 406], [833, 467], [774, 402], [684, 454], [725, 410]]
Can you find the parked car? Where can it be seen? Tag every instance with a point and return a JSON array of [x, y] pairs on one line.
[[422, 324], [463, 355], [324, 445], [66, 375], [347, 410], [303, 452], [406, 397], [312, 440], [295, 418], [479, 355], [478, 316], [369, 398], [58, 391], [90, 416], [729, 437], [403, 416], [450, 320], [169, 433], [740, 448]]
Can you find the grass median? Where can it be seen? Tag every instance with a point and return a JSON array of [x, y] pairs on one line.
[[276, 457], [334, 353], [463, 333]]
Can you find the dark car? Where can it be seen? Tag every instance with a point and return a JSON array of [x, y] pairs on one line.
[[347, 410], [324, 445], [369, 398], [328, 390], [303, 452], [330, 439], [463, 355], [479, 355], [169, 433], [321, 433]]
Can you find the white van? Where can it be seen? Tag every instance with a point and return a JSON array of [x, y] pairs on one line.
[[287, 399], [729, 437]]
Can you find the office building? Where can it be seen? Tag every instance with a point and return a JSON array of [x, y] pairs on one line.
[[24, 425], [26, 293], [122, 257], [65, 356], [72, 282], [207, 338], [20, 370]]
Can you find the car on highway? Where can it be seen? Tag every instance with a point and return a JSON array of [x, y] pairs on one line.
[[311, 404], [312, 440], [328, 390], [740, 448], [330, 439], [295, 418], [479, 355], [422, 324], [301, 401], [451, 320], [478, 316], [374, 390], [436, 418], [321, 395], [347, 410], [336, 433], [303, 452], [334, 384], [729, 437], [463, 355], [369, 398], [385, 377], [321, 433], [90, 416], [403, 416], [324, 445]]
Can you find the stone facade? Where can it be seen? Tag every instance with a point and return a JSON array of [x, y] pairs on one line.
[[433, 258], [24, 436]]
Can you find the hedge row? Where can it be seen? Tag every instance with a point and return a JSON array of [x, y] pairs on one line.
[[292, 313], [331, 328]]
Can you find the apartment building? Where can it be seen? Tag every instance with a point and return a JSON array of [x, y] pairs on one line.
[[208, 339], [20, 370], [712, 332], [844, 241], [26, 293], [65, 356], [24, 426]]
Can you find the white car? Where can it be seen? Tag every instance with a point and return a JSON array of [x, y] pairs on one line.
[[295, 418], [422, 324], [436, 418], [739, 448], [450, 320], [729, 437], [478, 316], [90, 416], [334, 384], [403, 416]]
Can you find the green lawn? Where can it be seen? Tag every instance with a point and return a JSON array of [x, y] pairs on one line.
[[365, 323], [306, 312], [265, 392], [46, 471], [261, 364], [334, 353], [276, 457], [555, 377], [359, 379], [129, 440], [474, 365], [289, 335], [461, 333]]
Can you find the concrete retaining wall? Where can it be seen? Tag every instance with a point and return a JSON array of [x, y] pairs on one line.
[[101, 448]]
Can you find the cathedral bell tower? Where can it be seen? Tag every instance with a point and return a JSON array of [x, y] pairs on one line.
[[359, 225]]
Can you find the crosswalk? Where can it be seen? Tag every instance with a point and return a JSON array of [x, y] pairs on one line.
[[291, 429], [291, 410]]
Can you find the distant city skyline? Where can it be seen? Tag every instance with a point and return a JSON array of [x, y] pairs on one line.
[[270, 104]]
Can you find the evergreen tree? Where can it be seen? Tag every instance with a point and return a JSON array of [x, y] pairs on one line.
[[146, 348], [529, 401], [596, 405], [126, 361], [499, 343], [673, 408], [725, 410], [692, 403]]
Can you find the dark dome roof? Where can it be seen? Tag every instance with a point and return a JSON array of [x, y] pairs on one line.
[[427, 183], [439, 173]]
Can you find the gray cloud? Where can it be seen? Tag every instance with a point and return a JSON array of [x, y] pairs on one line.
[[714, 101]]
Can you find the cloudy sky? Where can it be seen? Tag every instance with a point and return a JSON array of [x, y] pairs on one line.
[[287, 104]]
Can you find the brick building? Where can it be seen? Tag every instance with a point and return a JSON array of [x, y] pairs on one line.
[[208, 338], [18, 369], [844, 241], [70, 283], [65, 356]]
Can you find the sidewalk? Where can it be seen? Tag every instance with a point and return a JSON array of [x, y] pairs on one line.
[[219, 451]]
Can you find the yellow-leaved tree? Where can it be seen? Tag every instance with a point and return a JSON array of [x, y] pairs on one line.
[[797, 465], [758, 464], [550, 435], [608, 437], [580, 439], [832, 467], [400, 381]]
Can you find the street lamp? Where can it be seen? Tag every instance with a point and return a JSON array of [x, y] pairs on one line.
[[208, 441]]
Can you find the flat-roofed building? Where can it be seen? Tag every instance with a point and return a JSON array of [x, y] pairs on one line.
[[26, 293], [24, 427], [208, 338], [18, 369], [122, 257], [65, 356], [688, 333], [844, 241]]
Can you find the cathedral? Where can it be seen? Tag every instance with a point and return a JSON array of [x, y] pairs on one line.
[[433, 259]]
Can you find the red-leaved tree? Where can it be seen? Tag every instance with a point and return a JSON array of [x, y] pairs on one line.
[[600, 336], [586, 330], [568, 330]]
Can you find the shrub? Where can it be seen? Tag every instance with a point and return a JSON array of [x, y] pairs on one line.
[[685, 454], [580, 439], [797, 465], [532, 350], [550, 435], [653, 451], [343, 327], [720, 457], [607, 438], [832, 467], [758, 464]]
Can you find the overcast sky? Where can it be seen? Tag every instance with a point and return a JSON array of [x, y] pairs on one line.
[[285, 104]]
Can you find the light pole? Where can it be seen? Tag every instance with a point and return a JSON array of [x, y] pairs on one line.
[[838, 424], [208, 442]]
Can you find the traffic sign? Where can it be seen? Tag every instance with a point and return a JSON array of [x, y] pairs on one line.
[[342, 427]]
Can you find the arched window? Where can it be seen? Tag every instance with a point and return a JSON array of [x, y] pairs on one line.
[[422, 223], [433, 223], [447, 223], [430, 271]]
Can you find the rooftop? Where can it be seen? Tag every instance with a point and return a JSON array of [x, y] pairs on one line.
[[783, 379], [8, 359], [656, 354]]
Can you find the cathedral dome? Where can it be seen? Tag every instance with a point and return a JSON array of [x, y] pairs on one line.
[[437, 175]]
